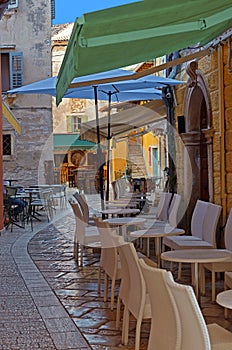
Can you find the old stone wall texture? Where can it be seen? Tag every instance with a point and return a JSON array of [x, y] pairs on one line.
[[221, 105], [27, 29]]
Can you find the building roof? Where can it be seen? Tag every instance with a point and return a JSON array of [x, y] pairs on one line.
[[62, 32]]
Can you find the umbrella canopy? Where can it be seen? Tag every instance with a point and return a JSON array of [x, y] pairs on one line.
[[48, 86], [138, 32], [125, 121]]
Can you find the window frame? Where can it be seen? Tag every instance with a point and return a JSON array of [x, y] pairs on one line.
[[12, 137], [13, 4], [14, 69], [74, 120]]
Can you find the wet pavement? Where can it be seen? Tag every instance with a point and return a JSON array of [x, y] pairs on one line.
[[48, 302]]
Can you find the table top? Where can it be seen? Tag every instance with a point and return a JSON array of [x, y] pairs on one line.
[[125, 221], [225, 299], [120, 211], [121, 205], [159, 231], [197, 255]]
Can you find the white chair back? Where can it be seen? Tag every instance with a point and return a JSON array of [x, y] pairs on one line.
[[173, 210], [138, 303], [80, 223], [83, 205], [228, 232], [197, 220], [194, 332], [165, 332], [210, 223], [137, 292], [162, 209]]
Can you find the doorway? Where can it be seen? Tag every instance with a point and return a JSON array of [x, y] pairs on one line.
[[198, 137]]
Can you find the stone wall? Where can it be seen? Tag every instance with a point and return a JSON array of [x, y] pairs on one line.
[[27, 29], [218, 77]]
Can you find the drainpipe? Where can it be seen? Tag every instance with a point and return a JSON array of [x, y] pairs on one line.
[[1, 158], [222, 132], [167, 95]]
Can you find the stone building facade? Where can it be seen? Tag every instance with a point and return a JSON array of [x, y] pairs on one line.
[[205, 147], [25, 47]]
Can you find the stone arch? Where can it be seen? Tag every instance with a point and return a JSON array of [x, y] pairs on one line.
[[198, 136], [197, 93]]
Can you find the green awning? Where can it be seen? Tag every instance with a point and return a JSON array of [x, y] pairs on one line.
[[70, 142], [138, 32]]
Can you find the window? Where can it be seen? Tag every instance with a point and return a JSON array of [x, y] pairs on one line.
[[53, 9], [7, 145], [12, 70], [74, 122], [13, 4], [6, 140]]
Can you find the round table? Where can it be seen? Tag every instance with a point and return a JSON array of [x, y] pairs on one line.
[[225, 299], [124, 222], [120, 211], [110, 205], [157, 233], [196, 257]]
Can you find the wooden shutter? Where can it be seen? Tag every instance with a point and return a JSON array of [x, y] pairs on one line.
[[16, 69]]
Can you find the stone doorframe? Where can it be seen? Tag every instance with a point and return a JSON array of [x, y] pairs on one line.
[[198, 113]]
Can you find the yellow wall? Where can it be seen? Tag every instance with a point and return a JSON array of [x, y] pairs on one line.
[[119, 154], [149, 140], [119, 159]]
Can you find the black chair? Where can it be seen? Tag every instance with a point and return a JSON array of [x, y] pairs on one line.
[[14, 208]]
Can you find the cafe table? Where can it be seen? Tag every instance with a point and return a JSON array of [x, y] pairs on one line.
[[196, 257], [110, 205], [120, 211], [158, 231], [225, 299], [124, 222]]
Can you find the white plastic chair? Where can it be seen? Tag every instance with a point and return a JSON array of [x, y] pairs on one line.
[[137, 301], [197, 219], [109, 260], [169, 211], [161, 211], [220, 266], [85, 236], [195, 334], [84, 207], [209, 227], [59, 194], [165, 332]]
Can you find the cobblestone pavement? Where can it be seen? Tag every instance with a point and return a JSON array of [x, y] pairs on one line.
[[47, 302]]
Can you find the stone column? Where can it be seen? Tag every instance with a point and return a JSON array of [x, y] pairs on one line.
[[208, 133], [191, 141]]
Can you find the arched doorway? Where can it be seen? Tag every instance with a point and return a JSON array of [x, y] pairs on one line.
[[198, 137]]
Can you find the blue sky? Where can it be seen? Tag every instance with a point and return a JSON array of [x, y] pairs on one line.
[[68, 10]]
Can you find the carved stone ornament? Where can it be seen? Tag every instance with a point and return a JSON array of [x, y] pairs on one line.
[[191, 71], [78, 105]]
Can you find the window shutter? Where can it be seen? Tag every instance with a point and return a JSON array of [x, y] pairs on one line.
[[69, 123], [13, 4], [16, 69], [53, 9], [84, 118]]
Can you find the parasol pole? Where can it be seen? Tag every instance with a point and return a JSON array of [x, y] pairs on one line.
[[1, 158], [99, 152], [108, 148]]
